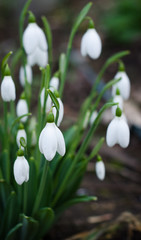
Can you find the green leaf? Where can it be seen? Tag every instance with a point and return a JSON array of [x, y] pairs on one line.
[[14, 232], [29, 229], [19, 118], [54, 99], [77, 199], [116, 57], [96, 149], [49, 38], [45, 217], [4, 62]]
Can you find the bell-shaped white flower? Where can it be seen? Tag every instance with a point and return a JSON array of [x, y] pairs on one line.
[[35, 45], [8, 92], [93, 117], [117, 99], [28, 71], [91, 44], [54, 83], [21, 170], [48, 101], [21, 109], [61, 112], [100, 170], [51, 140], [123, 85], [21, 133], [118, 132]]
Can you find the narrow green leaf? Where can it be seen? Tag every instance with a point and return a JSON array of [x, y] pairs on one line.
[[29, 229], [96, 149], [54, 99], [49, 38], [14, 232], [17, 55], [4, 62], [45, 217], [19, 118]]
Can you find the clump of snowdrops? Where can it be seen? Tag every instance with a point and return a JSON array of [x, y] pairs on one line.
[[41, 168]]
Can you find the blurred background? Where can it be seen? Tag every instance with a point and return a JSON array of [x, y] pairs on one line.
[[119, 25]]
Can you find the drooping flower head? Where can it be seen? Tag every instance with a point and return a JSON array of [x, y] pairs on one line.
[[118, 131], [35, 43], [100, 168], [8, 91], [54, 83], [51, 139], [123, 85], [28, 72], [22, 108], [21, 168], [91, 43]]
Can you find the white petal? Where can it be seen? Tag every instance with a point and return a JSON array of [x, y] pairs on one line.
[[39, 57], [48, 102], [49, 141], [42, 42], [111, 135], [40, 140], [61, 147], [83, 45], [61, 112], [123, 85], [21, 170], [94, 44], [21, 133], [54, 83], [123, 133], [28, 70], [30, 38], [22, 109], [117, 99], [100, 170], [93, 117], [8, 91]]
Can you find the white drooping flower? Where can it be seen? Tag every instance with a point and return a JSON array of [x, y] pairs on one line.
[[61, 112], [21, 170], [48, 101], [91, 44], [8, 91], [54, 83], [117, 99], [51, 140], [21, 133], [93, 117], [21, 109], [118, 132], [123, 85], [35, 45], [28, 71], [100, 170]]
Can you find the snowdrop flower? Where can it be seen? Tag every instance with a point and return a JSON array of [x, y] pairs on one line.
[[21, 109], [48, 101], [61, 109], [100, 170], [21, 133], [21, 168], [51, 139], [54, 83], [35, 43], [86, 120], [8, 92], [117, 99], [91, 44], [28, 70], [123, 85], [118, 131], [93, 117]]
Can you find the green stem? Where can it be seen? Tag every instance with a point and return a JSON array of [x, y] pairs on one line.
[[25, 197], [81, 151], [6, 141], [41, 188]]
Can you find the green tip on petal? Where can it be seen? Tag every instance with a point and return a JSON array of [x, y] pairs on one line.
[[7, 70], [56, 93], [31, 18], [23, 96], [50, 117], [21, 126], [118, 112], [118, 92], [121, 67], [99, 158], [20, 153]]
